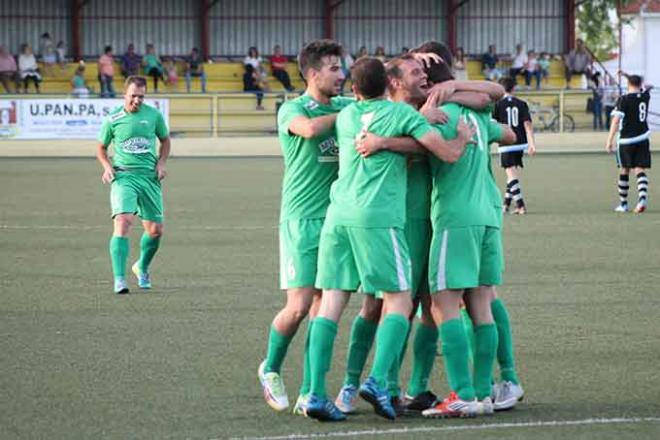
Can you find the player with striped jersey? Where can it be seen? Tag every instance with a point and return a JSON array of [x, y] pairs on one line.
[[629, 121], [514, 112]]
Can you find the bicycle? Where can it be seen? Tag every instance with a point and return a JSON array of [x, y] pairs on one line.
[[548, 117]]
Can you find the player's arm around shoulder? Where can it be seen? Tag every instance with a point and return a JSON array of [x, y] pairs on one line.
[[294, 119], [448, 141]]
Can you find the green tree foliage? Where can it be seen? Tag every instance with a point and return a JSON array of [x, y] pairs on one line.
[[596, 28]]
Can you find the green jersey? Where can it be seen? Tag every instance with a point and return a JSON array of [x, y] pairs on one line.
[[418, 197], [310, 165], [371, 192], [133, 136], [464, 192]]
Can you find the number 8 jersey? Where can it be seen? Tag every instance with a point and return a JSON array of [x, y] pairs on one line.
[[632, 108]]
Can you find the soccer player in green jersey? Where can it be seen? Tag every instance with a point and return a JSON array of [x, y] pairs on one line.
[[307, 136], [407, 83], [362, 241], [135, 174], [466, 261]]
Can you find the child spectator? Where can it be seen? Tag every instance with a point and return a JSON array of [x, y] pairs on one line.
[[544, 65], [173, 76], [60, 51], [78, 83], [106, 66], [47, 53]]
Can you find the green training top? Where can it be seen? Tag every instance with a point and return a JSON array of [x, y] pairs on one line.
[[418, 197], [133, 136], [465, 192], [310, 165], [371, 192]]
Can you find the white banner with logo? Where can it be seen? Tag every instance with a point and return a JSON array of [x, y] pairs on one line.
[[60, 118]]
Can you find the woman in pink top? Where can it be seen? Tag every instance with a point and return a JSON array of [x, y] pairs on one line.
[[106, 73]]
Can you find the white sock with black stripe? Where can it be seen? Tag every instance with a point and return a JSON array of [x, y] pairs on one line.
[[642, 188], [516, 193], [623, 189]]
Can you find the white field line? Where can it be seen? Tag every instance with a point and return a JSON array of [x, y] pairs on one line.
[[473, 427], [99, 227]]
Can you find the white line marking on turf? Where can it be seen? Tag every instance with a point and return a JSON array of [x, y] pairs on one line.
[[376, 432], [89, 228]]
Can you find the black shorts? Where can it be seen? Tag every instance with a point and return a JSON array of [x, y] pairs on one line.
[[634, 155], [511, 159]]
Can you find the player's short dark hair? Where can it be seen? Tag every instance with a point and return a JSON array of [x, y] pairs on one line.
[[635, 80], [369, 77], [393, 66], [437, 72], [437, 48], [508, 83], [312, 54], [139, 81]]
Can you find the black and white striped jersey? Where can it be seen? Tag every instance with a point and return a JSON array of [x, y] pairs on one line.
[[633, 108], [513, 112]]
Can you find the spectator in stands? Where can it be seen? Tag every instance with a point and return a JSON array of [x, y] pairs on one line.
[[60, 51], [8, 69], [578, 62], [362, 52], [28, 69], [380, 54], [251, 83], [254, 59], [489, 62], [173, 75], [106, 68], [78, 83], [130, 62], [610, 96], [597, 92], [278, 68], [532, 69], [518, 63], [346, 63], [47, 53], [153, 67], [544, 65], [404, 50], [195, 68], [460, 72]]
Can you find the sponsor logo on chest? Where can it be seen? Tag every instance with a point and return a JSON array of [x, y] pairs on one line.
[[328, 150]]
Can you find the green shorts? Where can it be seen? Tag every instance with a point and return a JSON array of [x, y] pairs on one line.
[[463, 258], [299, 248], [137, 193], [377, 259]]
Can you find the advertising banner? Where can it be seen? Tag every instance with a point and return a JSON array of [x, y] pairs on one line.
[[60, 118]]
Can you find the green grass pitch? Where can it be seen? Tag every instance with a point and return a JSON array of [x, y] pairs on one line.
[[78, 362]]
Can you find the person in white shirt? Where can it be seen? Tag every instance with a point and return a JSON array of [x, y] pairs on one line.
[[518, 63], [532, 69], [28, 69]]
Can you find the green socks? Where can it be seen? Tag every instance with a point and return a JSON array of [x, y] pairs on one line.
[[307, 373], [390, 336], [469, 331], [363, 333], [321, 343], [455, 352], [119, 255], [425, 347], [148, 248], [277, 347], [393, 374], [485, 336], [505, 345]]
